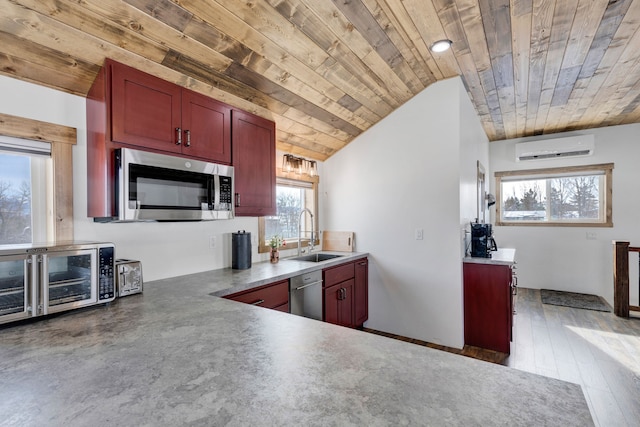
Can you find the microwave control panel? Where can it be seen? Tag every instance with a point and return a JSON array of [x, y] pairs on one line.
[[226, 194]]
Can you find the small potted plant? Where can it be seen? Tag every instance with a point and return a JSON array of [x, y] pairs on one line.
[[276, 242]]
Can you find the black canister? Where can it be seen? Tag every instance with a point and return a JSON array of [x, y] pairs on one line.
[[241, 250]]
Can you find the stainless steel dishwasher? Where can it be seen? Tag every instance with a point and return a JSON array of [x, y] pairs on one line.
[[305, 295]]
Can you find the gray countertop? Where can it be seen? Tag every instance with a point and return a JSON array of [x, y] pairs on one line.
[[177, 356], [503, 256], [227, 281]]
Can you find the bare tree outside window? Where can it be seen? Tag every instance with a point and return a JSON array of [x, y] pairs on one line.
[[15, 200], [290, 201]]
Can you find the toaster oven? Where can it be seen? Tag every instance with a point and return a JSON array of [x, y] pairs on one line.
[[45, 278], [128, 277]]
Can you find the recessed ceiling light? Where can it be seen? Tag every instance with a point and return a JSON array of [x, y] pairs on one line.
[[441, 45]]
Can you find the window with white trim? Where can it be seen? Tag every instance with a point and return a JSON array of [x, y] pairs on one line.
[[569, 196], [26, 191]]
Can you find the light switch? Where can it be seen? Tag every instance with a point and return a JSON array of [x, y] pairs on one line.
[[419, 234]]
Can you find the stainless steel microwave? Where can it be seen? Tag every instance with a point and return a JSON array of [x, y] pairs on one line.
[[157, 187]]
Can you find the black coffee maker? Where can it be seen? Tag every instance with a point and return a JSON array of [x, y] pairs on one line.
[[482, 242]]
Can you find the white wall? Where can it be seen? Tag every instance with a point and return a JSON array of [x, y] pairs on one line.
[[165, 249], [401, 175], [563, 258]]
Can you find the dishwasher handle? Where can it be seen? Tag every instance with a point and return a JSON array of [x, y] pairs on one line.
[[307, 285]]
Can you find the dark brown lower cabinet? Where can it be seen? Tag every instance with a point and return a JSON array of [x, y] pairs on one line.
[[488, 306], [338, 304], [274, 296], [345, 294]]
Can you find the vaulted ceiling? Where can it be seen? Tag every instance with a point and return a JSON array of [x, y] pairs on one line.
[[326, 70]]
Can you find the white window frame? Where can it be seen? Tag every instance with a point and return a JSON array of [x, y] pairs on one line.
[[41, 184], [62, 139], [605, 169]]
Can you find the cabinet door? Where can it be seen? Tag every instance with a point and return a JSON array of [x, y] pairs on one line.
[[487, 306], [206, 127], [338, 304], [361, 292], [254, 161], [145, 110]]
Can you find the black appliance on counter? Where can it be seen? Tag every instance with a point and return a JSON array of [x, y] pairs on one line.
[[240, 250], [482, 242]]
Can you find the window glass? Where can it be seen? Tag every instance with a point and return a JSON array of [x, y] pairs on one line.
[[15, 199], [569, 196], [291, 198], [23, 195]]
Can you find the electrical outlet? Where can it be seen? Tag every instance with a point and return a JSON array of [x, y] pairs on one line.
[[591, 235], [212, 242], [419, 234]]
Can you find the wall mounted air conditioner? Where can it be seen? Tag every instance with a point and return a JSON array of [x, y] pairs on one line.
[[555, 148]]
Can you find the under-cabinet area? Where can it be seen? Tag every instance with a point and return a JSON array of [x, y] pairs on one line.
[[489, 288], [337, 294]]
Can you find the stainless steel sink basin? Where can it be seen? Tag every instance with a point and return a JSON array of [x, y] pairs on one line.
[[319, 257]]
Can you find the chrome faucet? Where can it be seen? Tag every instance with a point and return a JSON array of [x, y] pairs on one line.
[[300, 231]]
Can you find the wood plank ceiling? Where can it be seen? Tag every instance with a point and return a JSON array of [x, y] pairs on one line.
[[326, 70]]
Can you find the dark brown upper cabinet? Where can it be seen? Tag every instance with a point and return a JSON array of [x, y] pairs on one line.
[[130, 108], [154, 114], [254, 161]]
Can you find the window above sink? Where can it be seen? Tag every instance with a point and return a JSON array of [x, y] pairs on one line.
[[293, 194]]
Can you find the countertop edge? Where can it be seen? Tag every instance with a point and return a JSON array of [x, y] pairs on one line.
[[504, 256]]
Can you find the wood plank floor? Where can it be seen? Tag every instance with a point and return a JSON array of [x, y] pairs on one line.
[[597, 350]]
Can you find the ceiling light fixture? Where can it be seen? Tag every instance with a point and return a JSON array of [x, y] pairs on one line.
[[298, 165], [441, 45]]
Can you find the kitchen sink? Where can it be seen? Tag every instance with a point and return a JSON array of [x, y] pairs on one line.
[[319, 257]]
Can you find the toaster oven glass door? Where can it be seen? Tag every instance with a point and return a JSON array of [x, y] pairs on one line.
[[15, 295], [69, 279]]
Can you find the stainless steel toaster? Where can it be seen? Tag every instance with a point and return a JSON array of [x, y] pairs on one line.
[[128, 277]]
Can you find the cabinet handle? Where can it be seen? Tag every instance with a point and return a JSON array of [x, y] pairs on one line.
[[179, 134], [237, 199], [362, 263], [260, 301], [188, 134]]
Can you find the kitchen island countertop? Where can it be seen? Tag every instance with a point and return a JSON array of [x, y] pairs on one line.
[[176, 355]]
